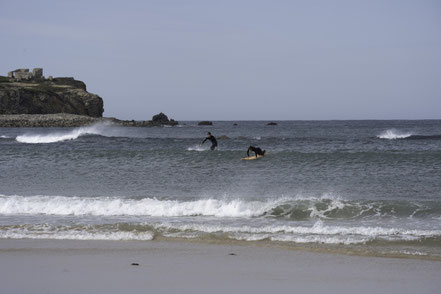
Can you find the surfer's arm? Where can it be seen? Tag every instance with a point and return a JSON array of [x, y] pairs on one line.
[[204, 140]]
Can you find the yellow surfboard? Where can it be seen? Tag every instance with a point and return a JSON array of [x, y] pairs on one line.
[[253, 157]]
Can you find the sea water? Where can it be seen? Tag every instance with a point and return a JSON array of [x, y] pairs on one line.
[[372, 187]]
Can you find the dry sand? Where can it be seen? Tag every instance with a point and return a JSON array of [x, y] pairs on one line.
[[60, 266]]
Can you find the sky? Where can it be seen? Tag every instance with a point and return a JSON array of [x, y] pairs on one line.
[[236, 60]]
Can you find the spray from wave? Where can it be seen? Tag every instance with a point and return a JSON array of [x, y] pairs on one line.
[[197, 148], [97, 129], [392, 134]]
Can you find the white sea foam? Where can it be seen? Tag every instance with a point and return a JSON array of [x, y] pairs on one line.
[[97, 129], [74, 234], [318, 229], [197, 148], [317, 233], [4, 137], [394, 134], [406, 252], [60, 205]]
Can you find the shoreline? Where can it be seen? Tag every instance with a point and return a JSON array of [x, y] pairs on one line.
[[69, 120], [174, 266]]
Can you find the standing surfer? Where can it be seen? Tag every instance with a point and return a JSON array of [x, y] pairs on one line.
[[256, 150], [212, 140]]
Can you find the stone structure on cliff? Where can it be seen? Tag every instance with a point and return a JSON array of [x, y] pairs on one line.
[[24, 74]]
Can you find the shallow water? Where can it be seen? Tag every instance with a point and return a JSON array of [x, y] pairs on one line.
[[357, 184]]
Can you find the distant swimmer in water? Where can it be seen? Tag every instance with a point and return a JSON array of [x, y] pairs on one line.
[[256, 150], [212, 140]]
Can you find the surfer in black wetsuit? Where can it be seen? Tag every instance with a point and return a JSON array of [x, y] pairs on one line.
[[212, 140], [256, 150]]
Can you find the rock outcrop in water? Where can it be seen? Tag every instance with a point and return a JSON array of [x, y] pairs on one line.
[[33, 94], [162, 119], [70, 120]]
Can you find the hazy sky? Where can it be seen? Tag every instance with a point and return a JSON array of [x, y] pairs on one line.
[[236, 60]]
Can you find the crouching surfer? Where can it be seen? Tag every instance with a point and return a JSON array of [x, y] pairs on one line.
[[256, 150]]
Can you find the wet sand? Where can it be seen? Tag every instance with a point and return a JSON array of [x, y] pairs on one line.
[[61, 266]]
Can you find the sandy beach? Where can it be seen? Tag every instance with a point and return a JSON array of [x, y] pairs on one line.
[[60, 266]]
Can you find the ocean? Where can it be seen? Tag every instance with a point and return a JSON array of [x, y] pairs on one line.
[[358, 187]]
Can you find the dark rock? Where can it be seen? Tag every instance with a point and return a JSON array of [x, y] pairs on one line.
[[61, 95], [48, 120], [205, 123], [29, 100], [66, 120], [271, 124], [160, 118], [232, 254], [234, 124], [135, 264]]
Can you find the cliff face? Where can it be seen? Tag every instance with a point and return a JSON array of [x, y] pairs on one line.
[[59, 95]]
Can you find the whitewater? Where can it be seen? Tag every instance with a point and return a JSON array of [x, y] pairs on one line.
[[356, 186], [53, 137]]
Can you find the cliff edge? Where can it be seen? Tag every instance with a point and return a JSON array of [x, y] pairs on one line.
[[27, 93]]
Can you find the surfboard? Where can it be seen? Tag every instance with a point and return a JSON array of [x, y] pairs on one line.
[[253, 157]]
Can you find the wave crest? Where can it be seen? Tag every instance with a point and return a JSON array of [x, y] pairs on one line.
[[392, 134], [61, 205], [294, 209], [97, 129]]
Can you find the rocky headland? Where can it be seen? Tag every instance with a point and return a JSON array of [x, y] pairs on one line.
[[70, 120], [28, 99]]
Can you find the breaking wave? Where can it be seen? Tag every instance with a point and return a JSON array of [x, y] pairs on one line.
[[60, 205], [295, 209], [97, 129], [392, 134], [322, 220], [395, 134]]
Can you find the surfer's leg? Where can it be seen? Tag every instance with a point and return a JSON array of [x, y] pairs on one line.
[[212, 147]]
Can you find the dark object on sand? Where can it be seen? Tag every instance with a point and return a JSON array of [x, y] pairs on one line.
[[135, 264], [205, 123], [232, 254]]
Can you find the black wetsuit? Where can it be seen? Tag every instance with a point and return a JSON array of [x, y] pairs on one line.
[[212, 140], [256, 150]]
